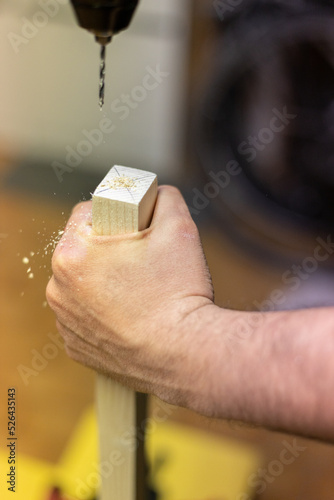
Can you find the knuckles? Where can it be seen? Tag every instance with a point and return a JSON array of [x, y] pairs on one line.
[[170, 189], [51, 295], [82, 207], [59, 265], [66, 264], [69, 338], [184, 228], [56, 301]]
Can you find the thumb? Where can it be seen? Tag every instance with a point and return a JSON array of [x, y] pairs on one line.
[[170, 207]]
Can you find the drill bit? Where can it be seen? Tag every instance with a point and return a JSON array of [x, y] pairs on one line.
[[102, 75]]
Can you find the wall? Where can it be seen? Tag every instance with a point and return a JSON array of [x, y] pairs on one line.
[[49, 86]]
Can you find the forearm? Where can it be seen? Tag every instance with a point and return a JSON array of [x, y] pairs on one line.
[[271, 369], [140, 309]]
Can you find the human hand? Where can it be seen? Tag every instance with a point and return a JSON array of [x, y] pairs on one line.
[[130, 306]]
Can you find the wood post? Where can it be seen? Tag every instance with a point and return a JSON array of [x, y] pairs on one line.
[[122, 203]]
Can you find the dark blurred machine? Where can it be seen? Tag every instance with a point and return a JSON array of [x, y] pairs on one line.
[[269, 106], [104, 18]]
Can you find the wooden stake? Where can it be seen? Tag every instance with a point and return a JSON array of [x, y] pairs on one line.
[[122, 203]]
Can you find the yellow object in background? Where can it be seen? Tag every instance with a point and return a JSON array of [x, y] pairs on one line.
[[33, 478], [76, 474], [185, 464], [78, 469], [196, 465]]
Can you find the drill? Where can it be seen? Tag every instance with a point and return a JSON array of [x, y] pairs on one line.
[[104, 18]]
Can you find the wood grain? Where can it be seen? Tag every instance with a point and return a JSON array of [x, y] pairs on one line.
[[122, 203]]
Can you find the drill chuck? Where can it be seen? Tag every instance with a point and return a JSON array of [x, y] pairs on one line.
[[104, 18]]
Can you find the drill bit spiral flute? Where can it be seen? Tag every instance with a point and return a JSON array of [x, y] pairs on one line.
[[104, 19], [102, 76]]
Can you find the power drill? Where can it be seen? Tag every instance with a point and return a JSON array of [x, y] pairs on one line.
[[104, 18]]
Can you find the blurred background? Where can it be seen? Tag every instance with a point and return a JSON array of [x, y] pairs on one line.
[[239, 115]]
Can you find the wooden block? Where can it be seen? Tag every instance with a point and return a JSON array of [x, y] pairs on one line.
[[122, 203]]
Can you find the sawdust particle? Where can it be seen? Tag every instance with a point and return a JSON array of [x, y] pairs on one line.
[[121, 182]]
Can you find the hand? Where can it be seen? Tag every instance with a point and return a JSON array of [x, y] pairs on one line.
[[130, 306]]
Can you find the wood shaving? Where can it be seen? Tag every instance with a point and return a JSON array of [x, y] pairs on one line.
[[121, 182]]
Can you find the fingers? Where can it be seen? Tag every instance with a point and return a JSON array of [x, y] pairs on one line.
[[171, 209], [85, 353], [81, 218], [78, 226]]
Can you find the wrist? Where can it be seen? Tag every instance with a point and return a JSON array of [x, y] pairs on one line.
[[208, 358], [219, 345], [199, 354]]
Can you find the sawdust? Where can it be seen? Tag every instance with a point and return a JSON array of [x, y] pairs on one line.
[[120, 182], [50, 246], [44, 253]]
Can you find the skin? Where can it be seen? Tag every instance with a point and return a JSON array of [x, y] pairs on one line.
[[140, 308]]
